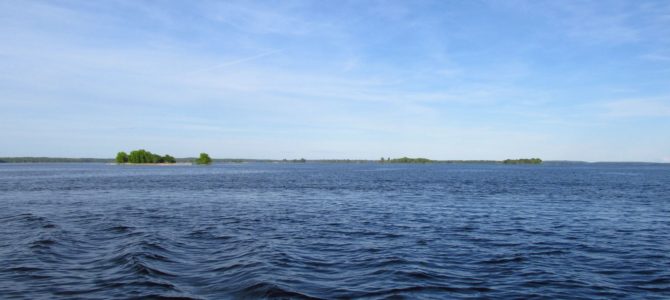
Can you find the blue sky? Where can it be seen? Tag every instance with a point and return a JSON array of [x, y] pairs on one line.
[[575, 80]]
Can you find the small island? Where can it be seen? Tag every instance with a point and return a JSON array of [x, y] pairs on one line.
[[407, 160], [524, 161], [143, 157], [204, 159]]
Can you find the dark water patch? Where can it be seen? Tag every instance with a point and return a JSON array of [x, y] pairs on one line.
[[22, 269], [503, 260], [272, 291], [42, 243], [120, 229], [417, 291], [164, 297]]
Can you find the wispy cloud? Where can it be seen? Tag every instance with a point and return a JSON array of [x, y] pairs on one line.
[[643, 107], [232, 63], [259, 18]]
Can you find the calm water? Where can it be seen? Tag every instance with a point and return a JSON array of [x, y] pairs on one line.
[[335, 231]]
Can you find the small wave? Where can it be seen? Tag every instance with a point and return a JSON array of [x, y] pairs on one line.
[[550, 253], [29, 218], [655, 281], [120, 229], [23, 216], [269, 290], [418, 275], [421, 289], [647, 272], [503, 260], [155, 284], [138, 263], [23, 269], [506, 244], [42, 244], [143, 269], [236, 266], [388, 261], [151, 246], [164, 297]]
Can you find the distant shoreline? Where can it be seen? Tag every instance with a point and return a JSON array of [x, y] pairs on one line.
[[189, 161]]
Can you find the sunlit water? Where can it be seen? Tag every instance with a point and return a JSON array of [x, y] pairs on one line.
[[335, 231]]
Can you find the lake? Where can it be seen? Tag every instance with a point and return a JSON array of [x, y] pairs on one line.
[[434, 231]]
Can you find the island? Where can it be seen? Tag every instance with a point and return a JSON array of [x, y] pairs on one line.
[[143, 157], [407, 160], [204, 159], [526, 161]]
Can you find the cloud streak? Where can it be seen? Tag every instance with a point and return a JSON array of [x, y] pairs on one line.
[[655, 107], [232, 62]]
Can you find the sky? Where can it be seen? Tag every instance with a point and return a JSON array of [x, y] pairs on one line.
[[559, 80]]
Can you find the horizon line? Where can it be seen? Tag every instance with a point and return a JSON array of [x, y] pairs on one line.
[[338, 159]]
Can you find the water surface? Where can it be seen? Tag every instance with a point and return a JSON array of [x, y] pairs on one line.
[[96, 231]]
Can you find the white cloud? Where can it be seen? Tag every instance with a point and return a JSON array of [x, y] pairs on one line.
[[643, 107], [263, 19]]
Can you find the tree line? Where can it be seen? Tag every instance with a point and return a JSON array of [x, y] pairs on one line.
[[532, 161], [421, 160], [142, 156], [406, 160]]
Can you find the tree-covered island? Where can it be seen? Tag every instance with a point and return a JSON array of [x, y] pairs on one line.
[[407, 160], [204, 159], [146, 157], [526, 161], [143, 157]]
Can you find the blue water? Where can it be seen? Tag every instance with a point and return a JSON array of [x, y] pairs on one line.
[[96, 231]]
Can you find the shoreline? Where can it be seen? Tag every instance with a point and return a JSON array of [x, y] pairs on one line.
[[189, 161]]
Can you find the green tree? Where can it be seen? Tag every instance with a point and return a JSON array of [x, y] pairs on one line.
[[533, 161], [135, 157], [140, 157], [121, 157], [408, 160], [156, 159], [204, 159], [147, 157]]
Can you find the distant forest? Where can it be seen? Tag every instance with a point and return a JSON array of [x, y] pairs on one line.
[[406, 160], [527, 161]]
